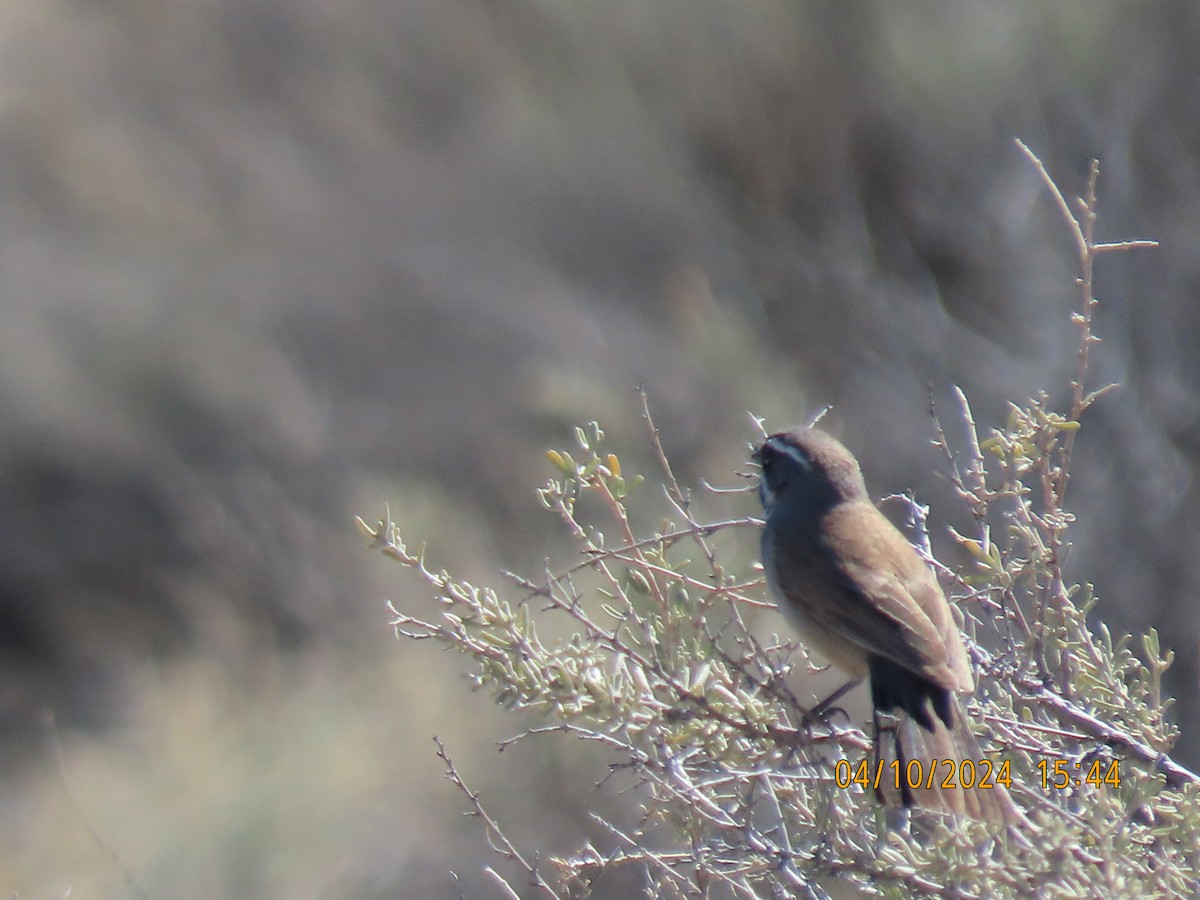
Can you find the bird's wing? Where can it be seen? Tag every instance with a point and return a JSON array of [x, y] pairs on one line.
[[869, 586]]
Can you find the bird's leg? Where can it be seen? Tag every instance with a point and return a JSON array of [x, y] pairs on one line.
[[825, 709], [876, 731], [893, 727], [906, 794]]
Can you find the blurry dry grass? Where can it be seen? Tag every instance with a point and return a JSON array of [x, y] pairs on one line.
[[263, 263]]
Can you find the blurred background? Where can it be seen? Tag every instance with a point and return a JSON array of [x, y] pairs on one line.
[[267, 265]]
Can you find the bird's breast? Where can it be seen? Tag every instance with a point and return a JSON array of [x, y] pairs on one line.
[[801, 584]]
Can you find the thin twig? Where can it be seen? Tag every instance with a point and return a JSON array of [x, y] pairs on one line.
[[502, 844], [1060, 201]]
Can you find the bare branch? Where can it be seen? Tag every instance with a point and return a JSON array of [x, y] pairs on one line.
[[499, 839]]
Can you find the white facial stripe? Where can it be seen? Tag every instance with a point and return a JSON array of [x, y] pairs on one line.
[[767, 485], [791, 452]]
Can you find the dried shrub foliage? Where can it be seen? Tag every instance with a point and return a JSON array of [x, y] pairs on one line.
[[664, 662]]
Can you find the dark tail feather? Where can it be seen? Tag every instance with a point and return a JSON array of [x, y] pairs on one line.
[[955, 759]]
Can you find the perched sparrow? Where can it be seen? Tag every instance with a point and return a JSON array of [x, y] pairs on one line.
[[861, 596]]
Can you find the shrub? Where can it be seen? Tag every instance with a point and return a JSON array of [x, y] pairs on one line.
[[665, 661]]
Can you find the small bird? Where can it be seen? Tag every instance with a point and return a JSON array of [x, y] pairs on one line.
[[860, 595]]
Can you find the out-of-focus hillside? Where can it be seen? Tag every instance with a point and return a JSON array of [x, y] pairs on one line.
[[265, 265]]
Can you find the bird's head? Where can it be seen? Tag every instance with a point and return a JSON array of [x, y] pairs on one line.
[[808, 468]]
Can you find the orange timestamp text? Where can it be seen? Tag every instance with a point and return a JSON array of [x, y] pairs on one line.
[[1061, 774], [945, 774]]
